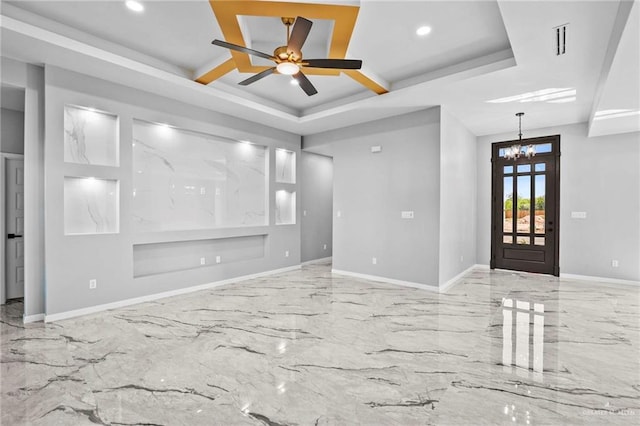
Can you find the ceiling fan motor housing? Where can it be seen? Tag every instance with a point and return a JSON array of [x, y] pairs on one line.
[[284, 54]]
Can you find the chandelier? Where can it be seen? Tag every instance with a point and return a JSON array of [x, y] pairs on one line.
[[517, 150]]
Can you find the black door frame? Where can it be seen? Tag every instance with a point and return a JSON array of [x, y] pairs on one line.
[[497, 161]]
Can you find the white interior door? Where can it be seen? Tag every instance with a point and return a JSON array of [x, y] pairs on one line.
[[14, 225]]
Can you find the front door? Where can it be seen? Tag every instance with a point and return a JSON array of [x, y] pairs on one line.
[[14, 217], [525, 208]]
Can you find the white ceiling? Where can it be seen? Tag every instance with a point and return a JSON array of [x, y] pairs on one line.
[[477, 51]]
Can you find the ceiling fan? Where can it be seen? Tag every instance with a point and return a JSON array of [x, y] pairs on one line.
[[288, 58]]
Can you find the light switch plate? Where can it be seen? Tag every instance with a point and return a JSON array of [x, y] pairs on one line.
[[578, 215], [406, 214]]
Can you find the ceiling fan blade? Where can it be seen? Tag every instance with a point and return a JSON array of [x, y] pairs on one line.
[[242, 49], [305, 84], [299, 34], [345, 64], [257, 77]]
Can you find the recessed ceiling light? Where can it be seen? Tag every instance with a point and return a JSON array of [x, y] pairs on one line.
[[423, 31], [136, 6]]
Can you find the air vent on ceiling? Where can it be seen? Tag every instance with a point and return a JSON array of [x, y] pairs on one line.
[[560, 36]]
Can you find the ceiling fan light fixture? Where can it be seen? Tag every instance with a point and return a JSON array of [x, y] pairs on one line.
[[287, 68]]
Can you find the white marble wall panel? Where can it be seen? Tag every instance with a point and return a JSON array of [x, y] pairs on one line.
[[285, 166], [186, 180], [90, 206], [285, 207], [90, 137]]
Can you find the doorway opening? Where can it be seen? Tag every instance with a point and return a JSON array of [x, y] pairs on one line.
[[316, 205], [525, 193], [12, 195]]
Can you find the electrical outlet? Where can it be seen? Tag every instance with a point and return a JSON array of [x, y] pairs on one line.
[[406, 214], [339, 213], [202, 261], [286, 253], [304, 212], [324, 247], [374, 260], [614, 263], [218, 260], [93, 284]]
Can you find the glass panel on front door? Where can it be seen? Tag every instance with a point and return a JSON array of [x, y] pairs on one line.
[[524, 197]]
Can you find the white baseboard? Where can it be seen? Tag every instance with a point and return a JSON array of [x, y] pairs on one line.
[[386, 280], [438, 289], [156, 296], [575, 277], [447, 286], [323, 260], [26, 319], [599, 279]]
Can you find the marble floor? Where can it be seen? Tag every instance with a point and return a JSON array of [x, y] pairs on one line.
[[312, 348]]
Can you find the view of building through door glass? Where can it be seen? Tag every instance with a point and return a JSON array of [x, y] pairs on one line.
[[524, 207]]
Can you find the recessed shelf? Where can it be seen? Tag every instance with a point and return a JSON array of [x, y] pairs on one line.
[[90, 136], [285, 207], [285, 166], [90, 206], [162, 258]]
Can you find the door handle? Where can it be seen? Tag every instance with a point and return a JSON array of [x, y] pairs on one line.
[[12, 236]]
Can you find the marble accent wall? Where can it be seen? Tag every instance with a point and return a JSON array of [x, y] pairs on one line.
[[90, 206], [186, 180], [90, 137]]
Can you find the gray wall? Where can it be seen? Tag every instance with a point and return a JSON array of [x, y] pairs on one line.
[[457, 197], [31, 79], [371, 190], [599, 176], [73, 260], [316, 194], [12, 133]]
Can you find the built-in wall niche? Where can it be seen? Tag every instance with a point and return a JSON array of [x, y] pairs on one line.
[[175, 256], [285, 207], [189, 180], [285, 166], [90, 205], [90, 136]]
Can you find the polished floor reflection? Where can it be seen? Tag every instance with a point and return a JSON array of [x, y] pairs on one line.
[[312, 348]]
